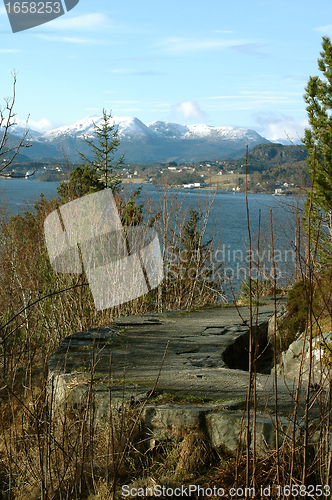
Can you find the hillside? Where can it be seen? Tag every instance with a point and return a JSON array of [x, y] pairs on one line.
[[152, 143], [206, 154], [269, 156]]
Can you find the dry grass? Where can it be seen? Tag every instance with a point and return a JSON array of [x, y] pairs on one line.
[[70, 456]]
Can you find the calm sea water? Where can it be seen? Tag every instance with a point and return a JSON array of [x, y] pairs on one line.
[[20, 194], [271, 219], [228, 216]]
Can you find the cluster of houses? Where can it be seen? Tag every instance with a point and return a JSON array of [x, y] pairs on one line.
[[282, 189], [193, 185]]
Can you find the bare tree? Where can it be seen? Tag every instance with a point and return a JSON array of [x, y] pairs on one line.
[[8, 150]]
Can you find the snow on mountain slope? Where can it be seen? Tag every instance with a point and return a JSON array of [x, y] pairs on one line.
[[229, 133], [198, 131], [170, 130], [155, 142], [78, 129], [127, 126], [20, 132], [130, 128]]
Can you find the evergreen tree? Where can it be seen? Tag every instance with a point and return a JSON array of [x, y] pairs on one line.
[[318, 142], [99, 172]]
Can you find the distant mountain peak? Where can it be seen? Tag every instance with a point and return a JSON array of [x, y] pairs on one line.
[[158, 141], [169, 130]]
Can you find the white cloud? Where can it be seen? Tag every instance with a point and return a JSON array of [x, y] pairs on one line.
[[9, 50], [275, 94], [250, 49], [327, 29], [254, 100], [177, 45], [41, 125], [275, 126], [189, 109], [260, 96], [66, 39], [87, 21], [2, 11]]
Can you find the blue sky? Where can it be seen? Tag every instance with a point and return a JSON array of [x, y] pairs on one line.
[[221, 63]]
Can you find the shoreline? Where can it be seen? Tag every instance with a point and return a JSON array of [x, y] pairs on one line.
[[138, 182]]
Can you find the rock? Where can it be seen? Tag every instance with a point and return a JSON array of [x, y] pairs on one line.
[[108, 369], [292, 363], [266, 431], [75, 392], [224, 430], [223, 427], [198, 350], [138, 320], [214, 331], [281, 314], [171, 422]]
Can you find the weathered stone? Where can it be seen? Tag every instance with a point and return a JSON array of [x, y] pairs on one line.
[[214, 331], [292, 362], [124, 365], [227, 429], [138, 351], [224, 429], [266, 434], [137, 320], [273, 328], [171, 422]]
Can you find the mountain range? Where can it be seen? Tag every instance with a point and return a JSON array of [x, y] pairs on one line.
[[155, 142]]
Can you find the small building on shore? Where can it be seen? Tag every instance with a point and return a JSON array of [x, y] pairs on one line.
[[280, 191]]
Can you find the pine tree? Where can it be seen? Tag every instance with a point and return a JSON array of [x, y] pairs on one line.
[[103, 150], [318, 142], [99, 172]]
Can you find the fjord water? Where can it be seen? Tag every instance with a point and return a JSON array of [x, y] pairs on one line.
[[20, 194], [268, 216], [228, 217]]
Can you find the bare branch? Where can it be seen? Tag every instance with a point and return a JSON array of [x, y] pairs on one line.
[[7, 120]]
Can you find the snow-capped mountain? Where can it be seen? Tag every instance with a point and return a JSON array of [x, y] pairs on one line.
[[127, 126], [168, 130], [20, 132], [155, 142]]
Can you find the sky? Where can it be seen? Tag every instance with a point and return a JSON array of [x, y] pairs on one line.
[[239, 63]]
